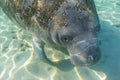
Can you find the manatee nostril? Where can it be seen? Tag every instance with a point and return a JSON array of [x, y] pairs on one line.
[[93, 59], [90, 59], [93, 54]]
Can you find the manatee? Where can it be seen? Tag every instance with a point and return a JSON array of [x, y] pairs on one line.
[[70, 26]]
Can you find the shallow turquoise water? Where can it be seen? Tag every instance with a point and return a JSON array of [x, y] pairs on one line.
[[109, 11], [18, 62]]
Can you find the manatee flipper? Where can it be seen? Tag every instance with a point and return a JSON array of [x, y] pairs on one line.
[[64, 65], [39, 51]]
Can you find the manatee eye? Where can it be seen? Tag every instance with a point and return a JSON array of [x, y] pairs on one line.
[[66, 39]]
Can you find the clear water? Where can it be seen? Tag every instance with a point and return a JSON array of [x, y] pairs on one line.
[[18, 62]]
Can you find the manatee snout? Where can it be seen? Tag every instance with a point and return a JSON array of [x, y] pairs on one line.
[[85, 52]]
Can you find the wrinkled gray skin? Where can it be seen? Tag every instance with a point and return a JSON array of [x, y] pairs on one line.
[[70, 26]]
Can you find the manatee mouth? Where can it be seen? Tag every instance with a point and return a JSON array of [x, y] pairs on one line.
[[85, 53], [87, 58]]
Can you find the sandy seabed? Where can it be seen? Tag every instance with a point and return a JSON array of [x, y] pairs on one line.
[[18, 61]]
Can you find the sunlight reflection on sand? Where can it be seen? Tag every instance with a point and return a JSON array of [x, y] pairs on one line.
[[17, 61]]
